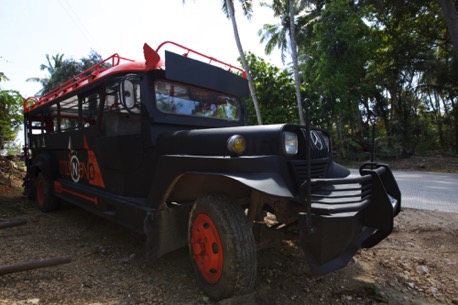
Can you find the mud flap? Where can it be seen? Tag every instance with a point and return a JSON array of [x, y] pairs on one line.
[[166, 230]]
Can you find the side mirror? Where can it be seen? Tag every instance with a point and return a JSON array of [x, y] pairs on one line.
[[128, 91]]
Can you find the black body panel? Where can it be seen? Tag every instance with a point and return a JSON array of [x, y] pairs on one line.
[[193, 72]]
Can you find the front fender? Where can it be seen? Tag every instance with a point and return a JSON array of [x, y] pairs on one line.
[[189, 186], [266, 182], [183, 178]]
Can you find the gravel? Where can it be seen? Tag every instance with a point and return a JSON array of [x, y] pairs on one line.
[[416, 265]]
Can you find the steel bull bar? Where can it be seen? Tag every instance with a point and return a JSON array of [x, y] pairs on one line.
[[346, 214]]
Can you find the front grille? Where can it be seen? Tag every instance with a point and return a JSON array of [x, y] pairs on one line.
[[319, 157], [319, 168], [319, 148]]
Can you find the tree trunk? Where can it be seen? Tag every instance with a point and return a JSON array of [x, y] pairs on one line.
[[456, 130], [455, 113], [292, 34], [451, 19], [230, 9]]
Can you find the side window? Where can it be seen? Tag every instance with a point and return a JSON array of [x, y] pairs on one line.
[[117, 120], [36, 127], [54, 115], [129, 102], [39, 125], [69, 114], [90, 107], [112, 102], [42, 122]]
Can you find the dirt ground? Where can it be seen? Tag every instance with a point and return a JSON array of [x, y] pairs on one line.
[[416, 265]]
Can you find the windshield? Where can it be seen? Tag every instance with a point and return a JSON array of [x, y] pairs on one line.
[[187, 100]]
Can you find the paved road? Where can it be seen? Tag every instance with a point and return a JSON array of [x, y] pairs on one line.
[[427, 191]]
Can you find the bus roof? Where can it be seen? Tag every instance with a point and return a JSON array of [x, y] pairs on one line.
[[116, 64]]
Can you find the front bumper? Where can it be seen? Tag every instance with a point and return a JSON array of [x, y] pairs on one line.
[[346, 214]]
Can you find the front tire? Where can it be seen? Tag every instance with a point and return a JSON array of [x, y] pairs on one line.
[[46, 200], [222, 247]]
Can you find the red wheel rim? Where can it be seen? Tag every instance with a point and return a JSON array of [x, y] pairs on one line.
[[207, 250], [40, 192]]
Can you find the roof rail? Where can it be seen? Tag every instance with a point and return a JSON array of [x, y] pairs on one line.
[[75, 82], [203, 55]]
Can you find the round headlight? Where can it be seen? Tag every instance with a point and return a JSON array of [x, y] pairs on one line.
[[236, 144]]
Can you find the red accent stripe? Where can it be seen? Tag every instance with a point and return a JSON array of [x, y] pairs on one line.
[[98, 180], [59, 189]]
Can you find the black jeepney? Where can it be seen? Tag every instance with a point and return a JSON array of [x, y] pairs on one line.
[[163, 149]]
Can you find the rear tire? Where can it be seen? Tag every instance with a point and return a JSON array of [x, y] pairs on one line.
[[30, 189], [222, 247], [46, 200]]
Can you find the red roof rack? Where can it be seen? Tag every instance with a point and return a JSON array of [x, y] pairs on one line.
[[74, 83]]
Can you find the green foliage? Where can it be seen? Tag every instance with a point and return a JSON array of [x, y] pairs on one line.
[[3, 77], [71, 68], [336, 71], [385, 63], [278, 35], [247, 7], [414, 66], [275, 90], [340, 54], [61, 70], [53, 63], [10, 115]]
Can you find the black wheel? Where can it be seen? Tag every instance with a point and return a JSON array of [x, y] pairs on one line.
[[222, 247], [44, 194]]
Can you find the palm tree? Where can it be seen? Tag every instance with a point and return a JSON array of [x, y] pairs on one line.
[[3, 77], [228, 8], [53, 64], [278, 35], [285, 35], [292, 39]]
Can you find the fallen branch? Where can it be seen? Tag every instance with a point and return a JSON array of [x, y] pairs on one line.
[[34, 264], [13, 223]]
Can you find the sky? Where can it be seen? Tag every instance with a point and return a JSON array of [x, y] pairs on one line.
[[30, 29]]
